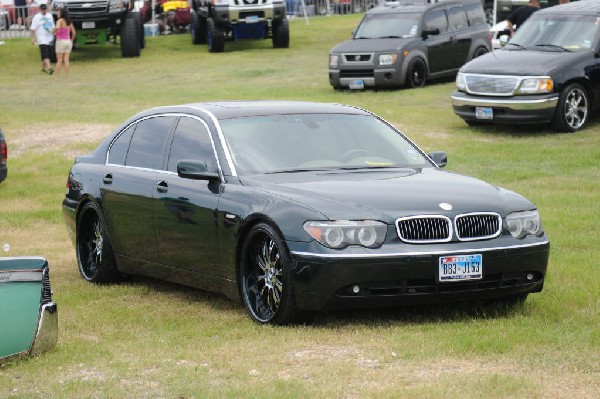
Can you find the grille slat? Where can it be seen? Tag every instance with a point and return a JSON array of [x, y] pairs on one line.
[[478, 226], [477, 84], [437, 228]]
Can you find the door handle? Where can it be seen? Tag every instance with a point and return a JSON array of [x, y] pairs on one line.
[[162, 186], [107, 178]]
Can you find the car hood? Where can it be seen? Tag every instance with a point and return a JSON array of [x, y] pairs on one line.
[[387, 195], [520, 62], [370, 45]]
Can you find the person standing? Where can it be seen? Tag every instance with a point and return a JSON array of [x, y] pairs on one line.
[[41, 32], [22, 13], [65, 35], [520, 15]]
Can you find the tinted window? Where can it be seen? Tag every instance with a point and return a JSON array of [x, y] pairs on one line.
[[191, 141], [436, 19], [388, 25], [119, 147], [475, 13], [458, 18], [147, 145]]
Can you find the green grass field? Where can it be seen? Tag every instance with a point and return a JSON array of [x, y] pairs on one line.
[[147, 339]]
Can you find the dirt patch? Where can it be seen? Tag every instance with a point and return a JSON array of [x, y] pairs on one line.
[[42, 138]]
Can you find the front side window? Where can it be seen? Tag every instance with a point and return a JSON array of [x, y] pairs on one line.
[[394, 25], [147, 146], [436, 19], [191, 142], [301, 142]]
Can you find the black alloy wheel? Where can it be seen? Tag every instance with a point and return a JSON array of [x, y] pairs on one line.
[[94, 254], [572, 110], [266, 286], [417, 73]]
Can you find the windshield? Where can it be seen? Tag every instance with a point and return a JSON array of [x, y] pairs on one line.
[[558, 33], [304, 142], [377, 26]]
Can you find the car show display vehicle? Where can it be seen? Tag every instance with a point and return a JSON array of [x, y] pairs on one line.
[[399, 44], [28, 316], [548, 72], [3, 158], [99, 21], [296, 207], [215, 21]]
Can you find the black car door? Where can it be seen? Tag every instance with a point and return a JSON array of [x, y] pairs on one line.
[[128, 185], [439, 49], [460, 35], [185, 210]]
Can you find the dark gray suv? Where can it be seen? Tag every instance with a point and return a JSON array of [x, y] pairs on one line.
[[400, 44]]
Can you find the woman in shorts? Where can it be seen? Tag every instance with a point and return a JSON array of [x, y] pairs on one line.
[[65, 35]]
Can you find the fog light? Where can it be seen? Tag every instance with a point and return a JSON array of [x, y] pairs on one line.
[[529, 276], [356, 289]]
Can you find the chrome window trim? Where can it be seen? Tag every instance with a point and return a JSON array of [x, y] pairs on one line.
[[482, 237], [415, 253], [519, 79], [447, 239]]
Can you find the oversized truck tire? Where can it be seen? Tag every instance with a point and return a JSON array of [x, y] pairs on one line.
[[281, 34], [216, 37], [130, 39], [140, 29], [198, 29]]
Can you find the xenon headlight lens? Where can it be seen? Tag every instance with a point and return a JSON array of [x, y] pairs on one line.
[[461, 83], [339, 234], [536, 85], [521, 224], [333, 59], [387, 59]]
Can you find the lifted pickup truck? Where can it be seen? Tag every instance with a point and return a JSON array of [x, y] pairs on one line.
[[214, 21], [97, 21]]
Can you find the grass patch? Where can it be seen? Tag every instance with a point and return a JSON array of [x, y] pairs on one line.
[[148, 338]]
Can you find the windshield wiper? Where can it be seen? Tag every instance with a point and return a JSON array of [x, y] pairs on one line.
[[552, 45], [297, 170], [517, 45], [390, 37]]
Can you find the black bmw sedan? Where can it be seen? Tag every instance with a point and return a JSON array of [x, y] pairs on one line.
[[296, 207]]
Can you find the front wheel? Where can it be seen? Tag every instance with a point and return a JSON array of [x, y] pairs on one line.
[[417, 73], [94, 254], [130, 39], [266, 285], [215, 36], [281, 34], [572, 110]]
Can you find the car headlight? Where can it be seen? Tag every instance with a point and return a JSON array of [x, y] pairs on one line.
[[339, 234], [461, 83], [333, 59], [56, 5], [112, 4], [387, 59], [536, 85], [521, 224]]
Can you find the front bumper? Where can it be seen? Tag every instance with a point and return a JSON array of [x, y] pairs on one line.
[[370, 76], [325, 283], [225, 14], [519, 109]]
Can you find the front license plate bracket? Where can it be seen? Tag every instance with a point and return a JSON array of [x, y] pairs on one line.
[[460, 268]]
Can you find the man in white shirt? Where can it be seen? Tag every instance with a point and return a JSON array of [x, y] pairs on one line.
[[41, 31]]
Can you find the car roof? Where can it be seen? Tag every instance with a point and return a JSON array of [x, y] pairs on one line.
[[236, 109], [585, 7], [404, 6]]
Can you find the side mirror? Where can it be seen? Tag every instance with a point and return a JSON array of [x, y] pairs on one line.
[[426, 33], [439, 157], [196, 170], [503, 40]]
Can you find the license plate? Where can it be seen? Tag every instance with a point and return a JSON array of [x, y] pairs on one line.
[[484, 113], [461, 267], [252, 19], [88, 25], [357, 84]]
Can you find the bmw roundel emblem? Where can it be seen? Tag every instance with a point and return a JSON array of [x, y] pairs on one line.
[[445, 206]]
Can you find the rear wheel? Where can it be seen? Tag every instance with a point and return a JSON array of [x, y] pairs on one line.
[[572, 110], [198, 29], [281, 34], [94, 254], [216, 37], [140, 29], [417, 73], [130, 42], [265, 281], [479, 51]]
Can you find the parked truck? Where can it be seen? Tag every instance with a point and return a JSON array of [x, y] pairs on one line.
[[214, 21], [100, 21]]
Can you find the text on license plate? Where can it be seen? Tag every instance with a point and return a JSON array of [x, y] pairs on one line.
[[252, 19], [357, 84], [88, 25], [461, 267], [484, 113]]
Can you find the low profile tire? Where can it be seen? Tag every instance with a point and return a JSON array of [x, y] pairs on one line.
[[417, 73], [265, 281], [479, 51], [130, 43], [94, 254], [215, 36], [281, 34], [572, 111]]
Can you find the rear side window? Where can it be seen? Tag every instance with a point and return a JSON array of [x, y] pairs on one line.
[[147, 146], [457, 17], [475, 13], [118, 149], [436, 19], [191, 141]]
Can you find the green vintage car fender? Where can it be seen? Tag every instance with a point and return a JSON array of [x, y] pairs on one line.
[[28, 316]]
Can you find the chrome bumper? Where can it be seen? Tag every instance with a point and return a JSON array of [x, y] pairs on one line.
[[514, 104]]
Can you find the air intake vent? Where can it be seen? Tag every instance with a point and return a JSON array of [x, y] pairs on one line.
[[424, 229], [478, 226], [46, 292]]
